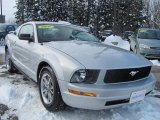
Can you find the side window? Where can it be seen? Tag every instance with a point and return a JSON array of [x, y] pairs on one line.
[[27, 29]]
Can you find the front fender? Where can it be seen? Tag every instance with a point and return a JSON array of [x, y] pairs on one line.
[[63, 65]]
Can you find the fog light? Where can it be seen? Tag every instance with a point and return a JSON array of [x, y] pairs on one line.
[[82, 93]]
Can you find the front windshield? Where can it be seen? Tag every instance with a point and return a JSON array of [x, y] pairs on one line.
[[149, 34], [3, 28], [50, 32]]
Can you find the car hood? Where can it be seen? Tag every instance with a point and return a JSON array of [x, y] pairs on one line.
[[150, 42], [99, 56]]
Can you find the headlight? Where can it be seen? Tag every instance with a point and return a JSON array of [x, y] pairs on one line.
[[79, 76], [142, 46], [86, 76]]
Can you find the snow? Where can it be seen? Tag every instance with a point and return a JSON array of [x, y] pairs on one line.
[[64, 22], [23, 99], [155, 62], [117, 41]]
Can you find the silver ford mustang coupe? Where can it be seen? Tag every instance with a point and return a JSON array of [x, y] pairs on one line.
[[72, 67]]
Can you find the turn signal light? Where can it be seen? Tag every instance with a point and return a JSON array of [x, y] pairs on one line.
[[82, 93]]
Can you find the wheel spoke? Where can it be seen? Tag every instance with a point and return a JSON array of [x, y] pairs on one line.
[[49, 80], [44, 82], [44, 91], [47, 88], [49, 97], [52, 90]]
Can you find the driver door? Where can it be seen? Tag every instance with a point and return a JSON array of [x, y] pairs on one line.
[[24, 51]]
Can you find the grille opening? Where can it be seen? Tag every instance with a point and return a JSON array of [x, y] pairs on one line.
[[116, 102], [124, 75]]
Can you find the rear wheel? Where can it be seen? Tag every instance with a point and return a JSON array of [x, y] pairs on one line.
[[9, 64], [135, 50], [49, 90]]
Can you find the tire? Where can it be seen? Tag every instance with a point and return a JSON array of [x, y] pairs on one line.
[[135, 50], [49, 90], [9, 64]]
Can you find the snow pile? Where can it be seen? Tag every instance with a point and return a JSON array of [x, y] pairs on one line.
[[155, 62], [117, 41], [22, 97], [2, 50]]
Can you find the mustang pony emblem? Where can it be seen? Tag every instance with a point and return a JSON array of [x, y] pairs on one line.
[[133, 73]]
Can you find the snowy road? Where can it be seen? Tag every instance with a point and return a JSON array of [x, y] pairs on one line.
[[22, 97]]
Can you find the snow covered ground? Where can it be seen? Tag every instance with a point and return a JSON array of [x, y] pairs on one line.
[[155, 62], [22, 97]]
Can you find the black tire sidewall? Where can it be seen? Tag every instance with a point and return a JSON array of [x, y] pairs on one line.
[[135, 49], [53, 105], [11, 69]]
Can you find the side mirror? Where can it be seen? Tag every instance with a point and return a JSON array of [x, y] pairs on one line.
[[26, 37]]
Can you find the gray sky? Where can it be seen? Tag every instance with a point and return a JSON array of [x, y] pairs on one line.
[[8, 9]]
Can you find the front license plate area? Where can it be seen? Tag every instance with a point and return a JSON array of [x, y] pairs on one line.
[[137, 96]]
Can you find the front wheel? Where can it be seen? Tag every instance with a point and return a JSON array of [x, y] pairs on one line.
[[49, 90]]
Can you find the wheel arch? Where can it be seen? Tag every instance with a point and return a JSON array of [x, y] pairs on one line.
[[6, 47], [43, 64]]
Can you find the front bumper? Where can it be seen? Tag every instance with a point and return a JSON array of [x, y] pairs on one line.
[[107, 93], [150, 53]]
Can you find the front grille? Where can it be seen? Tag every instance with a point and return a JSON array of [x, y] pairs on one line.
[[156, 48], [116, 102], [126, 75], [123, 101], [153, 55]]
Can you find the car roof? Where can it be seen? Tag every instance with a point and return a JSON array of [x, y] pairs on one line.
[[128, 31], [8, 23], [59, 23], [46, 22], [107, 30]]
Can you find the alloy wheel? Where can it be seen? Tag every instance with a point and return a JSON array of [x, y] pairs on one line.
[[47, 89]]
